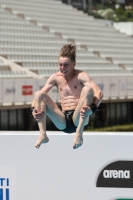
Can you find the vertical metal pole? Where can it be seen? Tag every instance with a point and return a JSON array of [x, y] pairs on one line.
[[132, 29], [102, 1], [8, 116], [115, 105], [109, 114], [84, 4], [90, 6], [17, 120], [121, 113], [69, 2]]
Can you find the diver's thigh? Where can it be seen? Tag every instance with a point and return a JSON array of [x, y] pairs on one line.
[[54, 113], [57, 118], [76, 117]]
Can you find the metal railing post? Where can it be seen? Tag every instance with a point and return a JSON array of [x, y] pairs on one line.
[[69, 2], [84, 4]]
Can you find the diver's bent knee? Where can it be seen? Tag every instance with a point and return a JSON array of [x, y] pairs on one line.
[[87, 90], [39, 95]]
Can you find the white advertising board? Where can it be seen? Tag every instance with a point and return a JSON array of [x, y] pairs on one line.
[[8, 91], [102, 169], [18, 87], [22, 90], [99, 82], [28, 89], [130, 86], [1, 85], [40, 84], [113, 87], [106, 86], [122, 87]]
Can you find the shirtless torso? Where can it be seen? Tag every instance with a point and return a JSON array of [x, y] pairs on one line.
[[69, 91]]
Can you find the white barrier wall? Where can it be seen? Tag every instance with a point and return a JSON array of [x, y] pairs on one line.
[[22, 90], [129, 86], [56, 171], [8, 91]]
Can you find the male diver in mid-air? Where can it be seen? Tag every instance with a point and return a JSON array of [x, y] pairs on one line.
[[79, 97]]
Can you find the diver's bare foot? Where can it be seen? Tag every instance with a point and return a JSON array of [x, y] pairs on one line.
[[78, 140], [42, 139]]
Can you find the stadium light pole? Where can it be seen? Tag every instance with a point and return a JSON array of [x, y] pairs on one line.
[[102, 1], [132, 29], [69, 2], [84, 4], [90, 6]]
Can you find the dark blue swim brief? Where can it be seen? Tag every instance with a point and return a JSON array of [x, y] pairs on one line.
[[70, 127]]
